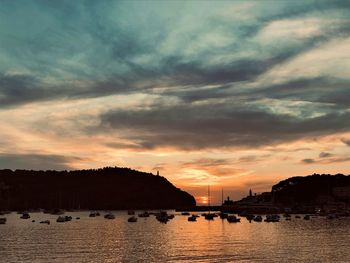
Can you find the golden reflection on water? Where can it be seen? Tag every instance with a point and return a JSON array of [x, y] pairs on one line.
[[101, 240]]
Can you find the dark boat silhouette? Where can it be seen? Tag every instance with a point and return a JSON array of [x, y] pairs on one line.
[[192, 218], [25, 216], [272, 218], [233, 219], [109, 216], [94, 214], [258, 218], [144, 214], [209, 216], [163, 217], [132, 219], [223, 215], [61, 219]]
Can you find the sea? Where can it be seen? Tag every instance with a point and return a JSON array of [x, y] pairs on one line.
[[101, 240]]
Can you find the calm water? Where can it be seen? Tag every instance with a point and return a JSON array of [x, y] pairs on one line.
[[101, 240]]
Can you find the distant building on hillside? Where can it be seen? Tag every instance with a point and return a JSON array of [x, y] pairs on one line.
[[227, 202]]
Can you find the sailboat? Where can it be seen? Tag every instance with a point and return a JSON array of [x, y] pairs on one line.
[[209, 216], [222, 214]]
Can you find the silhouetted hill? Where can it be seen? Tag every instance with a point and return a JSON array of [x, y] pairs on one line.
[[313, 189], [106, 188]]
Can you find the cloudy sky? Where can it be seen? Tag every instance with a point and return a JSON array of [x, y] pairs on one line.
[[235, 94]]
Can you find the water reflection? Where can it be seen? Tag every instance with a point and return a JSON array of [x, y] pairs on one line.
[[100, 240]]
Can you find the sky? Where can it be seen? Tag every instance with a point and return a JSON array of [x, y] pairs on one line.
[[237, 95]]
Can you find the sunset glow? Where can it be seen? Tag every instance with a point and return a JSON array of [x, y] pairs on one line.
[[230, 94]]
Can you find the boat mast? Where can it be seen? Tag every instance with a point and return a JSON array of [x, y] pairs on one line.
[[222, 196], [209, 198]]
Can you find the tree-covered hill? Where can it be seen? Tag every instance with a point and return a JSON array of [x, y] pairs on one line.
[[105, 188]]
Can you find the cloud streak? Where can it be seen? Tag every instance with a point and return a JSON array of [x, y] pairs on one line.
[[218, 125]]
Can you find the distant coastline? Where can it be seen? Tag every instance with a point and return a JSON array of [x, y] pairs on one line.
[[113, 188], [317, 193]]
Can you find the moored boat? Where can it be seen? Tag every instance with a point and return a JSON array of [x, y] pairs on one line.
[[162, 217], [209, 216], [25, 216], [92, 214], [192, 218], [233, 219], [223, 215], [109, 216], [144, 214], [61, 219], [250, 217], [272, 218], [132, 219], [258, 218]]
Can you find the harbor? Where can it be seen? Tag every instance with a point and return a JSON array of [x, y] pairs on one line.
[[96, 239]]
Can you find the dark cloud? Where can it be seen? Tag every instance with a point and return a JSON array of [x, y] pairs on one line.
[[337, 160], [325, 155], [112, 50], [308, 161], [327, 159], [199, 126], [253, 158], [18, 89], [320, 89], [207, 162], [35, 162], [346, 142]]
